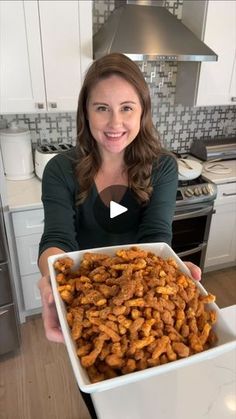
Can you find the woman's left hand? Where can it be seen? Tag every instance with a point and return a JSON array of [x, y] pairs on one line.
[[194, 270]]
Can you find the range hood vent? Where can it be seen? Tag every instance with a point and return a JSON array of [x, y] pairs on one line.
[[149, 33]]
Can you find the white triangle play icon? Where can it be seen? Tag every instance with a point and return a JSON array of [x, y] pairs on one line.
[[116, 209]]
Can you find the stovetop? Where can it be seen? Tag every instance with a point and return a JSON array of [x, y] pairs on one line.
[[195, 191]]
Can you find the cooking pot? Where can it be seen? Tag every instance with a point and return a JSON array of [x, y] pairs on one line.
[[189, 169]]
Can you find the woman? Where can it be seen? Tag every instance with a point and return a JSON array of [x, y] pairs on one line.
[[116, 145]]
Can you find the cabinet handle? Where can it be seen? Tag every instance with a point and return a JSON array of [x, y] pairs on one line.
[[53, 105], [233, 99], [39, 105], [229, 194]]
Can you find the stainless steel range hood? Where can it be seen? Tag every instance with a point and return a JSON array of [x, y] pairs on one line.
[[149, 32]]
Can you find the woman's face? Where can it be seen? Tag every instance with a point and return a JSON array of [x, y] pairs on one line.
[[114, 113]]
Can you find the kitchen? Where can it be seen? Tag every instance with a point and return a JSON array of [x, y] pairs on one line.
[[179, 124]]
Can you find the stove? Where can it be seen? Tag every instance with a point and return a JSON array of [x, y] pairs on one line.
[[195, 191], [192, 219]]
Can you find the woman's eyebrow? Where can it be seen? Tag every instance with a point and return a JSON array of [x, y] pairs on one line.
[[106, 104], [128, 101], [99, 103]]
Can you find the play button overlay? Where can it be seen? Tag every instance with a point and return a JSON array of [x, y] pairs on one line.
[[116, 209]]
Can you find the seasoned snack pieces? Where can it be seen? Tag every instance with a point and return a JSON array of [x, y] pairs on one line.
[[132, 311]]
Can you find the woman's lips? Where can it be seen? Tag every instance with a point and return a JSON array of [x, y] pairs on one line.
[[114, 135]]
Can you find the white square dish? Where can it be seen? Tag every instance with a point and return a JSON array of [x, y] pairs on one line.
[[226, 340]]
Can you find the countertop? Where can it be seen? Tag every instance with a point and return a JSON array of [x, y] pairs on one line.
[[204, 390], [24, 194], [220, 172]]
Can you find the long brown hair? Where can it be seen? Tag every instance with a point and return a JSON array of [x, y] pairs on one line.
[[140, 154]]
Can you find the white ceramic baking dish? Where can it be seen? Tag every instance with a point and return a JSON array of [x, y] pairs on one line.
[[226, 340]]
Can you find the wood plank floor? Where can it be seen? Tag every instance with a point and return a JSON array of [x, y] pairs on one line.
[[38, 382], [222, 284]]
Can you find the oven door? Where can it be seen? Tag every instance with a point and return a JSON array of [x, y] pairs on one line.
[[190, 228]]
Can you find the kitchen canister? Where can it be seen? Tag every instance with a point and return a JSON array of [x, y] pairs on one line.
[[16, 151]]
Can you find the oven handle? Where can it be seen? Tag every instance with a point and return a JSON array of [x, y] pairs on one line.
[[2, 312], [229, 194], [193, 213], [191, 251]]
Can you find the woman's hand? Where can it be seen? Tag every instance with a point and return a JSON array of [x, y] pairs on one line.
[[194, 270], [50, 319]]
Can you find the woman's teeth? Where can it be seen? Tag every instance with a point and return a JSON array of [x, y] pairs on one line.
[[114, 135]]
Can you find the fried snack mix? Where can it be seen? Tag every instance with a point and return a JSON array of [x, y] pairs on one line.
[[132, 311]]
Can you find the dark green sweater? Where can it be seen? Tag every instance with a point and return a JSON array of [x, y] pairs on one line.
[[70, 227]]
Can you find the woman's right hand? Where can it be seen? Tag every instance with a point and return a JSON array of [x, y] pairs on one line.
[[50, 319]]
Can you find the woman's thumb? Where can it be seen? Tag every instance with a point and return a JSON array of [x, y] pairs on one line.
[[46, 290], [50, 298]]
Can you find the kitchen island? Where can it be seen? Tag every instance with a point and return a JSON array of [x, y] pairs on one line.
[[205, 390]]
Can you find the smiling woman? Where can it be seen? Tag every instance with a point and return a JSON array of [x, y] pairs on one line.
[[117, 145], [114, 85]]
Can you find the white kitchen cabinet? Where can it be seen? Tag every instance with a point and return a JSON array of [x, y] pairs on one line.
[[210, 83], [32, 298], [46, 46], [28, 228], [217, 80], [221, 248]]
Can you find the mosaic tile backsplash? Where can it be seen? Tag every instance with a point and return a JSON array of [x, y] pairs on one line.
[[177, 125]]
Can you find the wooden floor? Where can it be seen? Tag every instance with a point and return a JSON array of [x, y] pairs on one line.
[[222, 284], [38, 382]]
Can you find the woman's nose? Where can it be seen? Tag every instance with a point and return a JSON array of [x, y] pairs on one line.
[[115, 119]]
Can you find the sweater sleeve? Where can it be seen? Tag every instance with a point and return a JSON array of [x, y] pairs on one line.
[[58, 197], [157, 216]]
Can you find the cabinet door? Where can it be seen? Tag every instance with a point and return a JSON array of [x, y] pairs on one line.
[[21, 67], [27, 251], [31, 293], [216, 78], [28, 222], [232, 92], [221, 246], [62, 52]]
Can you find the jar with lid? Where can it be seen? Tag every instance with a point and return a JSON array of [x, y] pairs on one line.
[[16, 151]]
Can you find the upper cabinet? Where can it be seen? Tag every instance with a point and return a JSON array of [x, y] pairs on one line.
[[210, 83], [46, 46]]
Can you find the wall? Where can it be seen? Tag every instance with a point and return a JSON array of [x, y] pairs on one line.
[[177, 124]]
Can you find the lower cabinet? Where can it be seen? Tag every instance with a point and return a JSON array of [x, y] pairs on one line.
[[221, 248], [28, 228], [32, 299]]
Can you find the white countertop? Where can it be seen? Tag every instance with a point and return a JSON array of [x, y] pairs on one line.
[[222, 171], [204, 390], [24, 194]]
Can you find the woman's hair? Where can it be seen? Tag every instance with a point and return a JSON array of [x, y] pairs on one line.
[[140, 154]]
